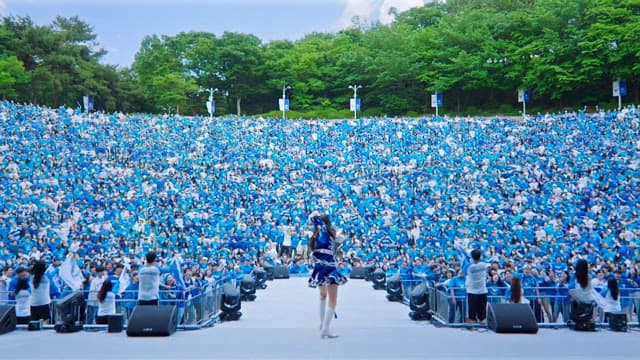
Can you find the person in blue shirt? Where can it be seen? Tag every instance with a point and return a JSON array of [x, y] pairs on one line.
[[130, 294], [325, 275], [562, 303], [457, 296], [531, 291], [547, 291], [496, 288]]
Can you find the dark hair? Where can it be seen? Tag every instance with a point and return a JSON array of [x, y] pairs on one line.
[[582, 273], [476, 254], [516, 291], [104, 289], [151, 257], [23, 284], [612, 284], [39, 267], [332, 233]]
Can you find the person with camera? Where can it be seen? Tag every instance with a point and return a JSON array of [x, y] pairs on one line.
[[325, 275]]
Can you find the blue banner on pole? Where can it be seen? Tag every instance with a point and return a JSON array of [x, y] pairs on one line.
[[623, 88]]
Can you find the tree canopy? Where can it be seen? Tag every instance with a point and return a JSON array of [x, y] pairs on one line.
[[476, 53]]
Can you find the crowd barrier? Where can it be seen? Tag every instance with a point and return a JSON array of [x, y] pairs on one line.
[[551, 310], [193, 312]]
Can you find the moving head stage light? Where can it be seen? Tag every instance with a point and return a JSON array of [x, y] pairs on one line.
[[230, 306], [394, 288], [248, 288], [379, 279], [70, 312], [268, 268], [419, 303], [261, 278]]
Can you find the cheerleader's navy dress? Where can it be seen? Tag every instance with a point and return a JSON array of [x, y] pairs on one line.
[[325, 271]]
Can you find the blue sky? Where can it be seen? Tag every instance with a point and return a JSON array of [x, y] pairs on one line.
[[122, 24]]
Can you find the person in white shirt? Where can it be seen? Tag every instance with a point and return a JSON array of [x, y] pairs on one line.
[[22, 296], [40, 297], [149, 275], [611, 302], [5, 279], [94, 288], [106, 302], [599, 282], [476, 286]]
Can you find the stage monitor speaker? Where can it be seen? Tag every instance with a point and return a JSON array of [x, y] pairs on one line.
[[34, 325], [115, 323], [151, 320], [358, 272], [511, 318], [280, 272], [8, 319], [618, 322]]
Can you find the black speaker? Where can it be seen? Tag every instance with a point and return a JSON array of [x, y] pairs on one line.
[[358, 272], [115, 323], [34, 325], [280, 272], [8, 319], [151, 320], [581, 317], [268, 269], [618, 322], [511, 318]]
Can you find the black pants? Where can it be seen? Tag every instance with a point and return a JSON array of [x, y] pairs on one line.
[[148, 302], [537, 310]]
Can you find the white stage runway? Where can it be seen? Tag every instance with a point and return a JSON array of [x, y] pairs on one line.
[[283, 324]]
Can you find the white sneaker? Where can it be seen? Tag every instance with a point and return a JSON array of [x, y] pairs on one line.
[[328, 335]]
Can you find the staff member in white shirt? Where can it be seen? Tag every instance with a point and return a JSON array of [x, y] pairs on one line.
[[106, 302], [149, 277], [40, 297], [611, 302], [476, 286]]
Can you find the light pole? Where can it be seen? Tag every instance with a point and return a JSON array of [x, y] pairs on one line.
[[284, 101], [355, 100]]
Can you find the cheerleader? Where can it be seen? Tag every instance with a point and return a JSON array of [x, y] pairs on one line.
[[325, 275]]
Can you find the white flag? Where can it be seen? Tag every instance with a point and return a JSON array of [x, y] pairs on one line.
[[124, 280], [71, 274]]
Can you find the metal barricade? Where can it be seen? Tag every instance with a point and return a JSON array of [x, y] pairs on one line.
[[550, 309]]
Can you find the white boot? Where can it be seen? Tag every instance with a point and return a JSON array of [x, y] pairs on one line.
[[327, 324], [323, 308]]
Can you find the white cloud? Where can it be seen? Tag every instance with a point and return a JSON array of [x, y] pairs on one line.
[[374, 10], [400, 5], [3, 6], [365, 10]]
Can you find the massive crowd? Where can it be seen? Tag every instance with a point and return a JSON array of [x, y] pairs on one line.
[[228, 194]]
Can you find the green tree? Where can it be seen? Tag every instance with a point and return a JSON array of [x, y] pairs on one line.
[[239, 66], [12, 73]]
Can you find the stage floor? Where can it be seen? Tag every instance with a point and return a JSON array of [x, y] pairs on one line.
[[283, 324]]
